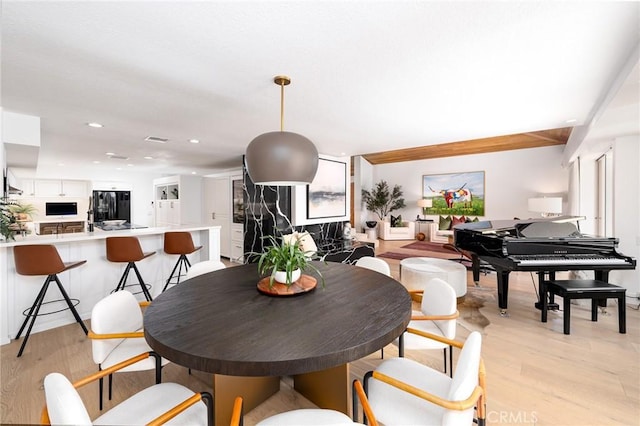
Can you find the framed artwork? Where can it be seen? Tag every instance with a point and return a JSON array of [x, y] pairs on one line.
[[327, 194], [238, 200], [455, 193]]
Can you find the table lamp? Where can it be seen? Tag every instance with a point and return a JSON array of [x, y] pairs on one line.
[[425, 203], [546, 206]]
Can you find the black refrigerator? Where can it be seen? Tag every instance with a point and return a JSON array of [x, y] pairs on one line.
[[111, 205]]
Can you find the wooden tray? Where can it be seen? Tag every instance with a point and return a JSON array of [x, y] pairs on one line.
[[304, 284]]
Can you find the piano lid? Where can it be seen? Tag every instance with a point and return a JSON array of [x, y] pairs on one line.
[[559, 226]]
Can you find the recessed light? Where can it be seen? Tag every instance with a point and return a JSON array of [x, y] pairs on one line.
[[343, 153], [156, 139], [118, 168], [96, 125], [96, 162], [194, 173], [129, 165], [194, 141], [148, 158], [109, 153], [571, 120], [60, 164]]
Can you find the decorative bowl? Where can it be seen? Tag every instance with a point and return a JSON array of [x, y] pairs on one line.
[[113, 222], [371, 224]]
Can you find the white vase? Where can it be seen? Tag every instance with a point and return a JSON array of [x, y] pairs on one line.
[[281, 276]]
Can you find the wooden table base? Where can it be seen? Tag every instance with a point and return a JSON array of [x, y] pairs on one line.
[[327, 388], [253, 390]]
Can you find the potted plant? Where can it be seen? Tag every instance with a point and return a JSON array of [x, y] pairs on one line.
[[22, 212], [7, 219], [284, 261], [381, 201]]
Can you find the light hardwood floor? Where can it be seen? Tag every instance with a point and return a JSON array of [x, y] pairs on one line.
[[535, 374]]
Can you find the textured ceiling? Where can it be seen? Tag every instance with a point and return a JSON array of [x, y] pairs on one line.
[[366, 76]]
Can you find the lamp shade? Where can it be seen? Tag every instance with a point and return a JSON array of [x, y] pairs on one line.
[[546, 205], [425, 203], [281, 159]]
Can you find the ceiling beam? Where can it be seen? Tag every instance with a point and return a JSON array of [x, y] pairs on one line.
[[475, 146]]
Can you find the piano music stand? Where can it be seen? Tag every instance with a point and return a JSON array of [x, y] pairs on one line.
[[474, 261]]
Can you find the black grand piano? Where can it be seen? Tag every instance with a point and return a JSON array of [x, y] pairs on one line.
[[545, 246]]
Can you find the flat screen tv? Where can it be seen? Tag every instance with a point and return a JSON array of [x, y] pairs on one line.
[[61, 209]]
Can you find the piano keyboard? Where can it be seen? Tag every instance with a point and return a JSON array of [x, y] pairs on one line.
[[574, 259]]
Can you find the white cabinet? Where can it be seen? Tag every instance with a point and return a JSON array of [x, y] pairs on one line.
[[217, 201], [237, 243], [219, 211], [178, 200], [27, 186], [168, 213], [111, 186], [54, 188]]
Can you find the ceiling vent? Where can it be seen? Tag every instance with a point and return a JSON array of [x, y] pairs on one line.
[[118, 157], [156, 139]]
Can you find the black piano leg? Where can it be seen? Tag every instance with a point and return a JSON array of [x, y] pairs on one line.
[[475, 268], [503, 291], [543, 298]]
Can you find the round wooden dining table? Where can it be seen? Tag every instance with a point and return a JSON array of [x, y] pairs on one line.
[[220, 323]]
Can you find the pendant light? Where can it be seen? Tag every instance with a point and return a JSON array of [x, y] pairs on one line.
[[281, 158]]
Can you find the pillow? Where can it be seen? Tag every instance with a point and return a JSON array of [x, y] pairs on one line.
[[289, 238], [444, 224], [396, 221], [475, 219], [457, 220], [307, 244]]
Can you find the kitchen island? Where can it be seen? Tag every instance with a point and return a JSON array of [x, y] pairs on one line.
[[93, 281]]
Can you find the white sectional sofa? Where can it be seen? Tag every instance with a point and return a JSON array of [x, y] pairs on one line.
[[387, 232]]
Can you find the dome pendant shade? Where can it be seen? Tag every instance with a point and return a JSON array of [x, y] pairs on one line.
[[281, 159]]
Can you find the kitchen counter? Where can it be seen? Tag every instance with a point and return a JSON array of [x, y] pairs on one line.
[[94, 280], [97, 234]]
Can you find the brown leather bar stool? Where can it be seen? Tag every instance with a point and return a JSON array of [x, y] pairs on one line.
[[43, 260], [179, 243], [127, 249]]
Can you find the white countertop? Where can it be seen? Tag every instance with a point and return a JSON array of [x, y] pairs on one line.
[[97, 234]]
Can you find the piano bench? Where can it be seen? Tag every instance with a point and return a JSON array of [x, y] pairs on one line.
[[583, 289]]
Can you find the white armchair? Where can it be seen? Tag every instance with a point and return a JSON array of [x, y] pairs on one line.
[[387, 232]]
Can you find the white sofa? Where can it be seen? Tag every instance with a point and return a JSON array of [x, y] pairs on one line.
[[387, 232], [439, 236]]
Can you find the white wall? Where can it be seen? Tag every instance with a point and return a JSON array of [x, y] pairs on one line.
[[511, 178], [588, 195], [362, 179], [626, 208]]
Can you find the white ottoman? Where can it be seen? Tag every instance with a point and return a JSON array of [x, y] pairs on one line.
[[415, 272]]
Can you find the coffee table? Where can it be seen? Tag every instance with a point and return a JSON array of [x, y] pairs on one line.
[[415, 272]]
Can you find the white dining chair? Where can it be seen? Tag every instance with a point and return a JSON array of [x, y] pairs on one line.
[[311, 416], [375, 264], [154, 405], [116, 335], [402, 391], [378, 265], [204, 267], [438, 315]]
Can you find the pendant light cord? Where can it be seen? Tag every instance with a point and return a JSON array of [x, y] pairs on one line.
[[282, 106]]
